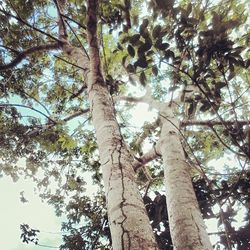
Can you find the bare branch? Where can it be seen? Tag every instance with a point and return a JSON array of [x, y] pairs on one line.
[[146, 158], [27, 107], [74, 21], [210, 123], [79, 41], [76, 114], [23, 54], [129, 98], [18, 18], [73, 64], [62, 27]]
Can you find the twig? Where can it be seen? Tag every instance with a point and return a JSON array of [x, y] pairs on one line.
[[22, 55], [30, 26], [27, 107]]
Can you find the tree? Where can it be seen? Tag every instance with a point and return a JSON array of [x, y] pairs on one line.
[[193, 48]]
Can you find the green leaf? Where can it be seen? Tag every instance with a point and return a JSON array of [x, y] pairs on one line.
[[124, 60], [156, 31], [141, 62], [134, 39], [145, 47], [130, 68], [169, 54], [155, 70], [220, 85], [163, 46], [143, 79], [131, 50]]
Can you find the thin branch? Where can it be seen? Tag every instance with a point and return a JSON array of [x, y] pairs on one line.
[[73, 64], [223, 143], [76, 114], [62, 26], [45, 108], [79, 41], [30, 26], [41, 245], [129, 98], [9, 48], [23, 54], [27, 107], [74, 21], [210, 123], [146, 158]]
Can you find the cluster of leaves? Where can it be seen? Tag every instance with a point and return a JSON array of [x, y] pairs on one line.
[[195, 44], [29, 234]]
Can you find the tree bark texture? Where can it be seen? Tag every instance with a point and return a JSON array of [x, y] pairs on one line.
[[129, 223], [187, 226]]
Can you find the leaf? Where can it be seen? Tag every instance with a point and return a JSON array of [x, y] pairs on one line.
[[145, 47], [163, 46], [144, 25], [133, 39], [130, 68], [189, 9], [155, 70], [124, 60], [220, 85], [247, 63], [131, 50], [119, 46], [191, 109], [143, 29], [125, 39], [231, 75], [156, 31], [141, 62], [145, 33], [169, 54], [231, 24], [143, 79], [216, 21], [205, 106]]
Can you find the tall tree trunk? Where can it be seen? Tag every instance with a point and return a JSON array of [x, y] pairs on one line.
[[129, 223], [187, 227]]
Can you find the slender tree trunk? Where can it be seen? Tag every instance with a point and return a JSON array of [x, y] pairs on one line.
[[187, 227], [129, 223]]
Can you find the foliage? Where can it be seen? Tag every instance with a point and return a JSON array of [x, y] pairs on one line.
[[193, 55]]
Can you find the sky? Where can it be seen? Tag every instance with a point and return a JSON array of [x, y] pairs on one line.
[[37, 214]]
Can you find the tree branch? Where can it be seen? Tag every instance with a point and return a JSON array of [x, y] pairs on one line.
[[27, 107], [146, 158], [210, 123], [23, 54], [76, 114], [18, 18], [129, 98]]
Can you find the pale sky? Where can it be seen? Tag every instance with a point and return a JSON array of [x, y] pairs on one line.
[[35, 213]]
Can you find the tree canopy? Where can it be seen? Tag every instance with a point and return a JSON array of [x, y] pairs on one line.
[[192, 55]]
